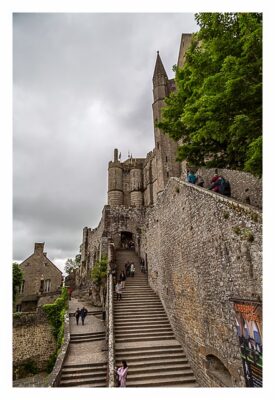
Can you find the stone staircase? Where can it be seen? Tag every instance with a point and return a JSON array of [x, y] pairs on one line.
[[87, 337], [88, 375], [144, 337]]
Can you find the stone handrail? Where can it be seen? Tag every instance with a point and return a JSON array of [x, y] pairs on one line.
[[55, 375], [110, 332]]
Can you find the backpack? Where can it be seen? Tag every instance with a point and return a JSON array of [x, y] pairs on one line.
[[224, 187]]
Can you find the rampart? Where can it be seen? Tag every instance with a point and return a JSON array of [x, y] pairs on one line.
[[203, 250]]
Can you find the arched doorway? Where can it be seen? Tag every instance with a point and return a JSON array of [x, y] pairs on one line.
[[127, 240]]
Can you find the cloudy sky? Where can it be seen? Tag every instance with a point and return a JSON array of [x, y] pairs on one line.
[[82, 86]]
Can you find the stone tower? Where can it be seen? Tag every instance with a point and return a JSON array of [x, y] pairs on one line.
[[165, 147], [115, 181]]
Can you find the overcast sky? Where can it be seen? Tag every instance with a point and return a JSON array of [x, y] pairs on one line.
[[82, 86]]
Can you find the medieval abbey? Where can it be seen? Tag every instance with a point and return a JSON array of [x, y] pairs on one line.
[[191, 316], [202, 251]]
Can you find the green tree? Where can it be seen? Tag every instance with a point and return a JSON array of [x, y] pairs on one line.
[[99, 271], [71, 264], [216, 109], [17, 279]]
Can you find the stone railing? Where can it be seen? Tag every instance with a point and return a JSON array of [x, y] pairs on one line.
[[110, 332], [55, 375]]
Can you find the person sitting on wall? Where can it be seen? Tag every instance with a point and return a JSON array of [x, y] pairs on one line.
[[222, 186], [199, 180], [191, 177]]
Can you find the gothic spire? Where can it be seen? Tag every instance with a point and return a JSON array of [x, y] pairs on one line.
[[159, 72]]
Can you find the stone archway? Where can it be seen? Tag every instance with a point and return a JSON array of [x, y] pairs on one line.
[[127, 240]]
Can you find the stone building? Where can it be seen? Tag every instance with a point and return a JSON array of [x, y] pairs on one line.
[[202, 250], [41, 281]]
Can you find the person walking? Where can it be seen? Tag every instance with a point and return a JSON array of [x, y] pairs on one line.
[[77, 315], [122, 374], [118, 290], [132, 270], [83, 313], [122, 278]]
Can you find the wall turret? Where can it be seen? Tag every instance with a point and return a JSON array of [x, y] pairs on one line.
[[115, 181], [136, 186]]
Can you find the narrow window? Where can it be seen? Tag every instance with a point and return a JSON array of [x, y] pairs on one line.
[[22, 287], [47, 285], [166, 159], [167, 174], [18, 307]]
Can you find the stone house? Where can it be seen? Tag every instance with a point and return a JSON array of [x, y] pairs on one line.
[[42, 281]]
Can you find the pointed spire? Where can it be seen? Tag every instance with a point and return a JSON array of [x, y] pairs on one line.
[[159, 71]]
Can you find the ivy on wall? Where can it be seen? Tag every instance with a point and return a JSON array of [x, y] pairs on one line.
[[56, 316]]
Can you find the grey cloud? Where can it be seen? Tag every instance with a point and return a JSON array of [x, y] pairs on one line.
[[82, 86]]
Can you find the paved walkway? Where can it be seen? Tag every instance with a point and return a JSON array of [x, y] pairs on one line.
[[90, 352]]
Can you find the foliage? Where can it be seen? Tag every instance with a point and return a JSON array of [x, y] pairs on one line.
[[99, 271], [17, 279], [217, 108], [71, 264], [56, 315], [51, 362], [27, 368]]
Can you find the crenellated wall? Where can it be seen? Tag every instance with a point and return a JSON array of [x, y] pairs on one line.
[[202, 250]]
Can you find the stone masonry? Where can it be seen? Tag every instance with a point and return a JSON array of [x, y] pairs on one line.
[[201, 250], [33, 341]]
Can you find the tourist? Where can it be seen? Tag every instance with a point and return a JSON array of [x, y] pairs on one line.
[[221, 185], [122, 374], [118, 290], [77, 315], [128, 267], [191, 177], [122, 278], [83, 313], [199, 180], [132, 270]]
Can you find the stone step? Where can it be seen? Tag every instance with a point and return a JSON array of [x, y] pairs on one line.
[[179, 381], [121, 332], [154, 368], [143, 338], [84, 381], [141, 309], [183, 362], [88, 365], [161, 374], [74, 335], [149, 348], [82, 375], [74, 341], [135, 301], [140, 318], [142, 326], [147, 313], [72, 370], [150, 358]]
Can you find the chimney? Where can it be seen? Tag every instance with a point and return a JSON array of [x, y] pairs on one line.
[[115, 155], [38, 248]]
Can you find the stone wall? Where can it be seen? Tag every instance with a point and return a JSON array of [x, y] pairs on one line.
[[33, 341], [202, 250]]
